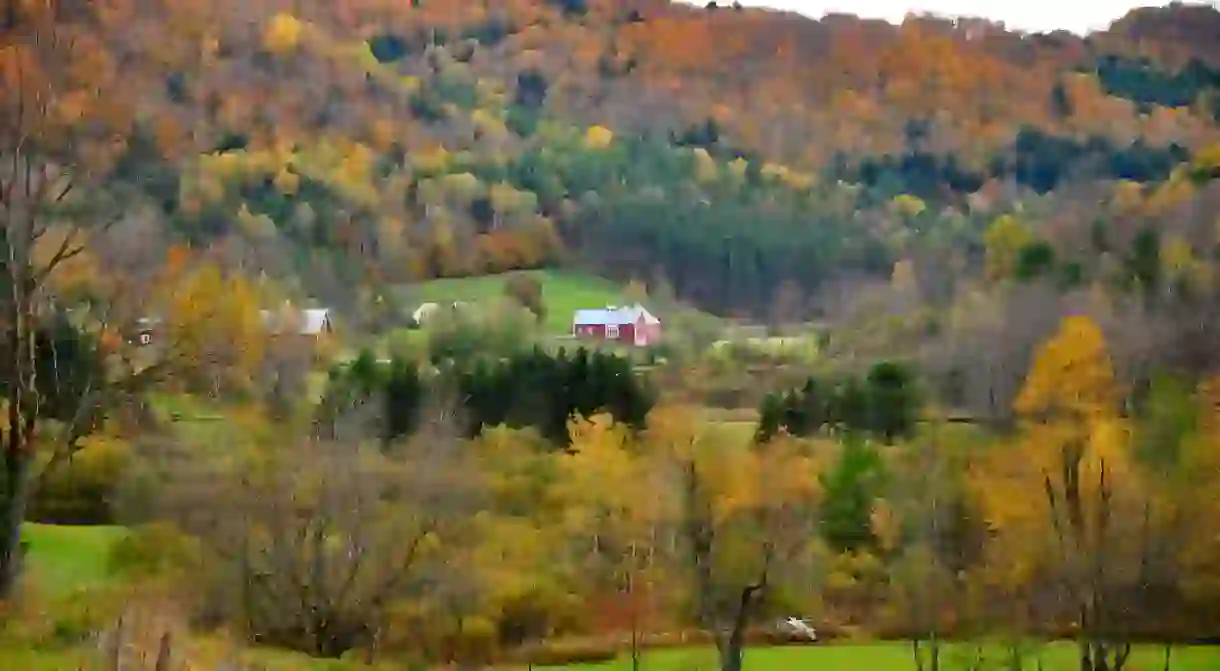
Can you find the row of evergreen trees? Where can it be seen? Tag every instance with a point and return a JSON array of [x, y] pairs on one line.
[[884, 403], [533, 388]]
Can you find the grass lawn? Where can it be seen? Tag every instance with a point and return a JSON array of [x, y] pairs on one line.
[[563, 293], [63, 559], [40, 660], [887, 657]]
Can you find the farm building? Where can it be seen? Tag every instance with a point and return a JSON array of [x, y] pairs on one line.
[[427, 311], [307, 322], [310, 322], [632, 325]]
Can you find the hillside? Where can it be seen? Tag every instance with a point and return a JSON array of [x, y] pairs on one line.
[[743, 157]]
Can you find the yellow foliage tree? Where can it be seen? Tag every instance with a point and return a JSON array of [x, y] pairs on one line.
[[908, 206], [1004, 240], [283, 33], [598, 137], [706, 170], [748, 517], [1058, 499], [214, 319]]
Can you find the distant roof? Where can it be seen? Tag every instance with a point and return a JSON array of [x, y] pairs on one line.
[[424, 310], [613, 315], [312, 321], [316, 319]]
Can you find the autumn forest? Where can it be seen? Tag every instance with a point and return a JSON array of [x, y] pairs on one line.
[[938, 386]]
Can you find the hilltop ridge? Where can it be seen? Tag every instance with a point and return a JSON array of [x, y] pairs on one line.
[[732, 153]]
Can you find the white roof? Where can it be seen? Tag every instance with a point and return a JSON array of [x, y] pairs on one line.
[[312, 321], [613, 315], [316, 320], [424, 310]]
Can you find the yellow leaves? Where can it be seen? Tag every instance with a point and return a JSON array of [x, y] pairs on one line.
[[706, 170], [432, 161], [1179, 263], [908, 206], [598, 137], [282, 34], [1004, 240], [464, 187], [410, 84], [738, 168], [489, 124], [1208, 159], [1073, 459], [732, 478], [786, 473], [507, 200], [1072, 374], [214, 318], [1169, 194]]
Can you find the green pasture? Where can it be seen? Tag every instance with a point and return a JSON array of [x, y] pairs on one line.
[[562, 292]]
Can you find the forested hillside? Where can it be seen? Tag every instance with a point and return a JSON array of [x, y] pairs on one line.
[[735, 154], [934, 358]]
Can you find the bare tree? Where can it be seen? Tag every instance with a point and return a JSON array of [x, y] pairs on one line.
[[34, 191], [52, 216], [312, 541]]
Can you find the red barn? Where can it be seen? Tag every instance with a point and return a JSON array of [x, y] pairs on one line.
[[632, 325]]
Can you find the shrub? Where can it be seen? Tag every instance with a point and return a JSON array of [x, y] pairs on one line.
[[82, 490], [38, 624], [564, 653], [154, 550]]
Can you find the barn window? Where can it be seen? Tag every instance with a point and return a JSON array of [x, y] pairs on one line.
[[612, 331]]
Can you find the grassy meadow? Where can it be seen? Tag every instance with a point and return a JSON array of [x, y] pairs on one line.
[[563, 293], [66, 559]]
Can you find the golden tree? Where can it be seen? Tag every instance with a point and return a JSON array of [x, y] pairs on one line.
[[1066, 501], [746, 520]]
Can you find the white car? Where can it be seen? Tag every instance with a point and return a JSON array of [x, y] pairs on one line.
[[796, 627]]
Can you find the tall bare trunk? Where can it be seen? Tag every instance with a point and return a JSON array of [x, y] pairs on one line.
[[12, 513]]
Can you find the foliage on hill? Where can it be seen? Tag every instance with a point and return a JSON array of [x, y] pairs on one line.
[[727, 152]]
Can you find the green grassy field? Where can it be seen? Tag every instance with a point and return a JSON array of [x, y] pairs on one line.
[[563, 293], [64, 559], [890, 657]]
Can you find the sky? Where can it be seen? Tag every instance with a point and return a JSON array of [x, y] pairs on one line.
[[1030, 15]]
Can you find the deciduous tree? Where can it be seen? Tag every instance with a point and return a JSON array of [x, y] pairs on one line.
[[746, 520]]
